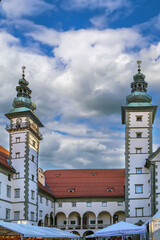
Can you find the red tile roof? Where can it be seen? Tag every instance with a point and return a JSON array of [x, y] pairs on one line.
[[4, 155], [86, 182], [45, 189]]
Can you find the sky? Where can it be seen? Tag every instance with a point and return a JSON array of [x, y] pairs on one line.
[[80, 58]]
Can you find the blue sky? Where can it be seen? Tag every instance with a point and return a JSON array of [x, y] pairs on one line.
[[80, 57]]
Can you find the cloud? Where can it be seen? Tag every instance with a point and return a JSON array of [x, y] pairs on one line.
[[19, 8], [78, 91], [111, 5]]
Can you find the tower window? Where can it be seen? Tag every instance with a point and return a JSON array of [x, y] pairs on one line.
[[138, 135], [138, 150], [139, 188], [32, 177], [139, 118], [139, 212], [9, 177], [18, 155], [34, 143], [32, 216], [32, 194], [17, 139], [32, 158], [138, 170]]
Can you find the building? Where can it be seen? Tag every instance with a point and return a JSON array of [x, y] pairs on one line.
[[80, 201]]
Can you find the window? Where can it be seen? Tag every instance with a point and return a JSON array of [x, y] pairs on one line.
[[139, 212], [71, 190], [8, 191], [32, 158], [139, 118], [59, 204], [8, 214], [32, 194], [47, 202], [16, 215], [92, 221], [89, 204], [104, 204], [73, 204], [138, 150], [40, 213], [17, 139], [16, 193], [32, 177], [16, 175], [34, 143], [109, 189], [100, 221], [18, 155], [73, 222], [138, 135], [51, 204], [41, 199], [139, 188], [32, 216], [65, 222], [9, 177], [138, 170], [120, 203]]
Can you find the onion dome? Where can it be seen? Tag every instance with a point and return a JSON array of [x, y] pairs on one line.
[[23, 99], [139, 96]]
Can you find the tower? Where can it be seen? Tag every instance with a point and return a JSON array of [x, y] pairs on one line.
[[24, 137], [138, 116]]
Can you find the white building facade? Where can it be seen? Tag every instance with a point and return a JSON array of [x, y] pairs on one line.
[[26, 197]]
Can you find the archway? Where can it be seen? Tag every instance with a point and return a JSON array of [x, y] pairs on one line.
[[87, 233], [76, 233], [89, 220], [60, 220], [51, 219], [118, 216], [104, 219], [46, 220], [40, 223], [74, 220]]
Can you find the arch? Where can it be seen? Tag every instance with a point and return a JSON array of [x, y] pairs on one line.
[[74, 220], [87, 233], [89, 220], [60, 220], [40, 222], [103, 219], [46, 220], [118, 216], [76, 233], [51, 219]]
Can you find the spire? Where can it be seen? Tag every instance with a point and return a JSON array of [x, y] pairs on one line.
[[139, 89], [23, 98]]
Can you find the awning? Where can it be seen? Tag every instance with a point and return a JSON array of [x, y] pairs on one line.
[[121, 228], [25, 230]]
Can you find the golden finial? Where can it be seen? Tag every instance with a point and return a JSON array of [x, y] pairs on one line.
[[139, 65], [23, 71]]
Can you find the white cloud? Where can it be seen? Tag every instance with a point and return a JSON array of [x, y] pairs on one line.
[[20, 8], [84, 85]]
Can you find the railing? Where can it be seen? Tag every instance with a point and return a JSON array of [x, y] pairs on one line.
[[23, 125], [74, 226]]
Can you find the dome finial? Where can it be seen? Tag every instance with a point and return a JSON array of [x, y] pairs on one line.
[[139, 65], [23, 71]]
